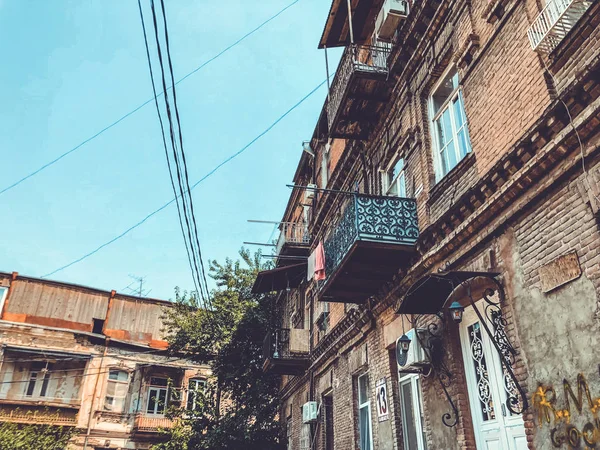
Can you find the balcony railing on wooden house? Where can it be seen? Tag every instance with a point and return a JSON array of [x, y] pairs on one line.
[[554, 22], [151, 423], [294, 239], [285, 351], [374, 237], [358, 92]]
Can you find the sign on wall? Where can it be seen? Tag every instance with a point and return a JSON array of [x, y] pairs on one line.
[[383, 413]]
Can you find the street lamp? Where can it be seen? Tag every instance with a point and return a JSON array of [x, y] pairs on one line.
[[404, 343], [456, 310]]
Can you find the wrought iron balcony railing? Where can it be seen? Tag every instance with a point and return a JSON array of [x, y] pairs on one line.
[[292, 233], [362, 60], [554, 22], [25, 415], [368, 241], [285, 351]]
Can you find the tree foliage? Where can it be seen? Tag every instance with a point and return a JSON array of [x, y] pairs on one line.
[[16, 436], [238, 410]]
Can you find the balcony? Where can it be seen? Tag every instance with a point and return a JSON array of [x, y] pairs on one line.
[[151, 423], [285, 351], [554, 22], [374, 237], [294, 240], [358, 92], [25, 414]]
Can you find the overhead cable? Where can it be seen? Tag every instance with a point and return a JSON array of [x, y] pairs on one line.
[[133, 111], [212, 172]]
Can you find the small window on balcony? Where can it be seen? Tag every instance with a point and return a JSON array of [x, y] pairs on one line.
[[116, 390], [196, 387], [157, 396], [39, 378], [394, 179], [449, 130]]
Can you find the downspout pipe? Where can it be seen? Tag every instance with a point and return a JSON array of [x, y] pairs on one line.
[[89, 425]]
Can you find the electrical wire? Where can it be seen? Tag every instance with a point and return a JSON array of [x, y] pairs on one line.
[[164, 140], [209, 174], [133, 111]]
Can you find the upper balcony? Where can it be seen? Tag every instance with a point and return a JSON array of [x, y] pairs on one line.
[[358, 92], [294, 239], [554, 22], [285, 351], [148, 423], [374, 237], [37, 415]]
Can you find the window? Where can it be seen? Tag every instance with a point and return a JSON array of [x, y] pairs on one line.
[[116, 390], [394, 179], [325, 166], [450, 134], [39, 378], [97, 326], [305, 437], [364, 414], [157, 396], [412, 411], [195, 386], [328, 419], [3, 291]]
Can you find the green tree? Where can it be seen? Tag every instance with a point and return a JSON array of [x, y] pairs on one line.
[[16, 436], [238, 411]]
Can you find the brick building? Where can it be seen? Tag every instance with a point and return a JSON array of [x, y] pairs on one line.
[[89, 359], [453, 181]]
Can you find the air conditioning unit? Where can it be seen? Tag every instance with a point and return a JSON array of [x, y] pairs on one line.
[[309, 192], [413, 360], [309, 412], [392, 12]]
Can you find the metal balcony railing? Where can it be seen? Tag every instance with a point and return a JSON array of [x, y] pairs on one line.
[[285, 343], [363, 59], [294, 233], [17, 415], [554, 22], [371, 218]]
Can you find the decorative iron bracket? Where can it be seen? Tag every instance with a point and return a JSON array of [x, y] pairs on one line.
[[434, 349], [516, 401]]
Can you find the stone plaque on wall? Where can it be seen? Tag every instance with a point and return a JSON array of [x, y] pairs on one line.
[[559, 271]]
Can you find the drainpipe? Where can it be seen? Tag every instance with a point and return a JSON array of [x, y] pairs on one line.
[[89, 426], [349, 2]]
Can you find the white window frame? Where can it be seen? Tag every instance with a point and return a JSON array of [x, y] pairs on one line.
[[153, 391], [366, 404], [113, 407], [191, 394], [434, 116], [3, 293], [399, 180], [414, 380]]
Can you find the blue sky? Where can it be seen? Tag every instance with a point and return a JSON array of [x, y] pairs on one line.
[[72, 67]]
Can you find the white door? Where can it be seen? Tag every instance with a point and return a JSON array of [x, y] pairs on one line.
[[496, 428]]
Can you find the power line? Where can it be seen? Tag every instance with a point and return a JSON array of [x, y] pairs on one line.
[[153, 213], [165, 143], [116, 122]]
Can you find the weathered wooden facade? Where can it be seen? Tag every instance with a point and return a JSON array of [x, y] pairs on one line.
[[89, 359]]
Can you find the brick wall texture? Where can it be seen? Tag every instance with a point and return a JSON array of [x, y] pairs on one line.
[[515, 206]]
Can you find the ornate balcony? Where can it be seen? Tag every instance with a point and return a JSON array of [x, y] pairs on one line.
[[42, 415], [285, 351], [374, 237], [554, 22], [358, 92]]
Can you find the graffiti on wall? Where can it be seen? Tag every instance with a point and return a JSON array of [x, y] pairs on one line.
[[564, 432]]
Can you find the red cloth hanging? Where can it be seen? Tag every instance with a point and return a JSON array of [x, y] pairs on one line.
[[320, 262]]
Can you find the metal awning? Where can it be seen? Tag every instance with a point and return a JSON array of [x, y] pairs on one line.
[[43, 352], [280, 278], [337, 32], [430, 293]]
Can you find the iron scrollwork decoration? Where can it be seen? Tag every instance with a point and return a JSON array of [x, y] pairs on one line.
[[433, 347], [371, 218], [516, 400]]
